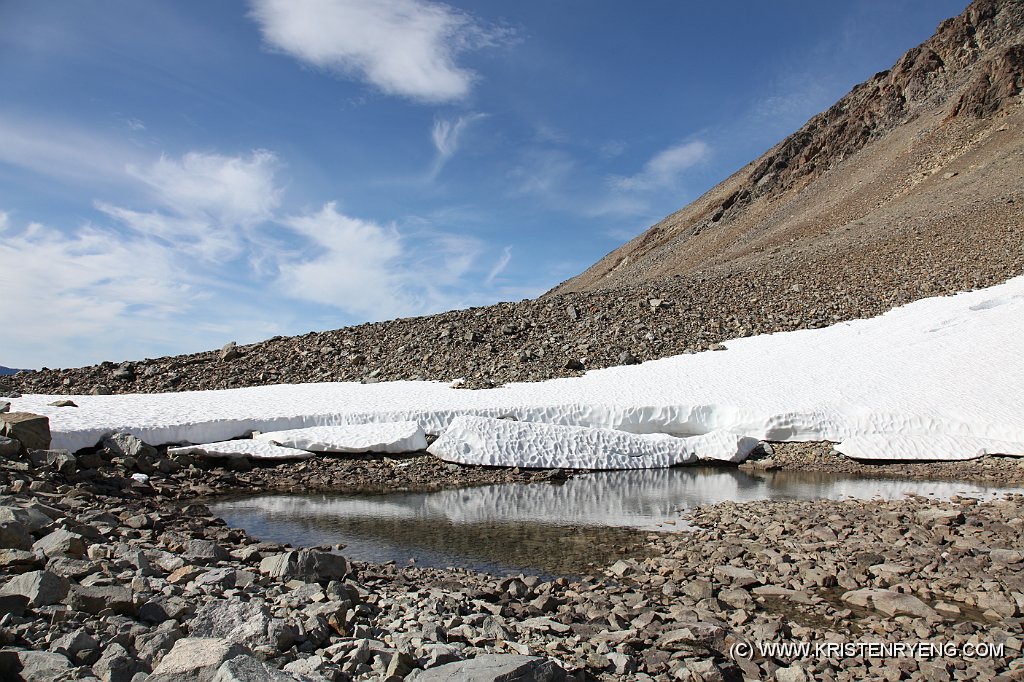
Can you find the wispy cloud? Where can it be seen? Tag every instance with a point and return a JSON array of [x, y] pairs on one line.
[[499, 267], [663, 169], [401, 47], [373, 270], [445, 135], [63, 152]]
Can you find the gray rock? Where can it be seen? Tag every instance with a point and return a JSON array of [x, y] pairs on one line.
[[20, 560], [152, 646], [31, 430], [627, 358], [205, 551], [249, 623], [61, 543], [493, 668], [8, 446], [100, 389], [229, 351], [305, 564], [1006, 556], [96, 598], [14, 535], [31, 516], [118, 665], [14, 604], [43, 666], [75, 643], [249, 669], [195, 659], [5, 406], [42, 588], [127, 445], [63, 461]]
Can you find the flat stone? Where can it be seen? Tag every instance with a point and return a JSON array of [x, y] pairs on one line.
[[94, 599], [249, 669], [118, 665], [1006, 556], [61, 543], [31, 516], [248, 623], [42, 588], [43, 666], [20, 560], [31, 430], [493, 668], [195, 659], [14, 535]]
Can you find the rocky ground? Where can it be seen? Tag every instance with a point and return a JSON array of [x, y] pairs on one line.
[[109, 571]]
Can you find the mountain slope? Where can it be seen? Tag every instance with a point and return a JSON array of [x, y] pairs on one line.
[[926, 155], [910, 186]]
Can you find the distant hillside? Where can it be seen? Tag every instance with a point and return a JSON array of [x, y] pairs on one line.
[[4, 371], [925, 156]]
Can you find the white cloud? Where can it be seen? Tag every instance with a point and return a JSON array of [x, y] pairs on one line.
[[445, 135], [499, 267], [4, 220], [226, 190], [209, 203], [63, 152], [134, 124], [372, 270], [402, 47], [92, 286], [662, 171]]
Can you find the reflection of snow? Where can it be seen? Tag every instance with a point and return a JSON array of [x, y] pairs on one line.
[[946, 366], [633, 498]]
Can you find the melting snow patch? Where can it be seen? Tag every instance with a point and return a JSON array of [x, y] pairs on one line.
[[390, 437], [241, 448], [951, 366], [487, 441], [925, 448]]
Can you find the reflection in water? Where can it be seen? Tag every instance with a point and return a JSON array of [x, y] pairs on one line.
[[548, 528]]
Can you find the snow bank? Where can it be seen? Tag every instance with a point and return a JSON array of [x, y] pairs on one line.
[[925, 447], [948, 366], [487, 441], [241, 448], [390, 437]]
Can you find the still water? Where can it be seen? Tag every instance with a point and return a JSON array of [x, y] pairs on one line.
[[550, 529]]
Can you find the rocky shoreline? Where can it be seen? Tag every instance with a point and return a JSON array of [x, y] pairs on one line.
[[113, 577]]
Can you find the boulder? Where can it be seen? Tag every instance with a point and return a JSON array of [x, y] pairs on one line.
[[493, 668], [96, 598], [305, 564], [32, 517], [249, 623], [42, 588], [62, 461], [249, 669], [9, 447], [118, 665], [61, 543], [127, 445], [195, 659], [14, 535], [31, 430], [42, 666]]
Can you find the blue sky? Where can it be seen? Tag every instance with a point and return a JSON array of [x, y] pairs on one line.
[[179, 174]]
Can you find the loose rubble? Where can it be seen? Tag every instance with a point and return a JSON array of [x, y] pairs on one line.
[[108, 577]]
